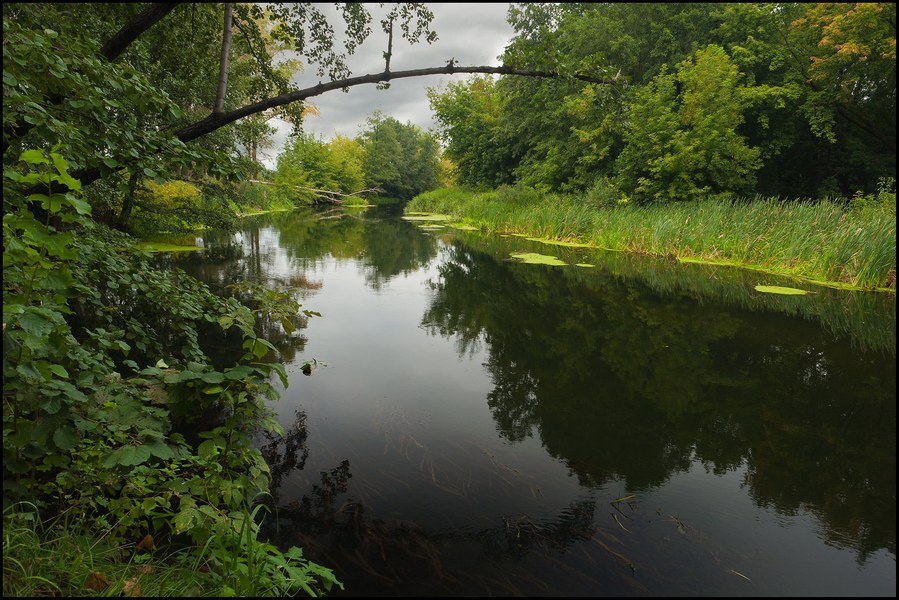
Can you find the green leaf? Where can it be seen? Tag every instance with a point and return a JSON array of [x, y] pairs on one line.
[[533, 258], [287, 325], [238, 372], [281, 371], [131, 455], [63, 167], [51, 405], [258, 346], [28, 370], [34, 157], [213, 377], [776, 289], [185, 519], [80, 206], [65, 438], [160, 449], [207, 449], [213, 389], [59, 370]]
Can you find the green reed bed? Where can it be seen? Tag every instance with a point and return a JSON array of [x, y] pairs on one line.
[[824, 241]]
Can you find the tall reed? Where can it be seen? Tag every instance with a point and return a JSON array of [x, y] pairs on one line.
[[825, 241]]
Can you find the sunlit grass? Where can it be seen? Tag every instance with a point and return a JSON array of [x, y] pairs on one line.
[[822, 241]]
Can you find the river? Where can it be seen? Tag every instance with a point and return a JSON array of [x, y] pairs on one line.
[[471, 425]]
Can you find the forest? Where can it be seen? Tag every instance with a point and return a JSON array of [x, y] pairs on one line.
[[751, 134]]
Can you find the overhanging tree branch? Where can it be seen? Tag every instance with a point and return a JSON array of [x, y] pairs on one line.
[[216, 120], [151, 15]]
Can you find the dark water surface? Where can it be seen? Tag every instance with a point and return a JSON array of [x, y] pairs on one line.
[[476, 426]]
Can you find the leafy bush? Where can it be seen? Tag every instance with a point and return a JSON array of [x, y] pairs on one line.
[[101, 352]]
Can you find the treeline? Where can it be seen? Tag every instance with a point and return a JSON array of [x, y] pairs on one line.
[[693, 100], [391, 158]]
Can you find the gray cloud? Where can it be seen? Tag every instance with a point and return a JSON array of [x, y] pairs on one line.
[[472, 33]]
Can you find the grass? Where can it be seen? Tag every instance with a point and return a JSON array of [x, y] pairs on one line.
[[823, 242], [59, 558], [62, 557]]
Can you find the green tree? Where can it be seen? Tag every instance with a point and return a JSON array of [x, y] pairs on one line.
[[682, 140], [400, 159], [304, 166], [347, 156], [467, 114]]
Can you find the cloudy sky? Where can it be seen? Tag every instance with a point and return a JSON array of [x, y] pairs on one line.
[[473, 34]]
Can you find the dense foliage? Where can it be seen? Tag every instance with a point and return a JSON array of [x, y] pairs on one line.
[[795, 100], [103, 355], [388, 158]]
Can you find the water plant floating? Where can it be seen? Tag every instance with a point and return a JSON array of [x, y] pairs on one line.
[[776, 289], [532, 258]]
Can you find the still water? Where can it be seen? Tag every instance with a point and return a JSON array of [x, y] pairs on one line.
[[476, 426]]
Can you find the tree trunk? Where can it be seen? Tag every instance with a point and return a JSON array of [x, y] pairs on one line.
[[223, 63], [128, 202]]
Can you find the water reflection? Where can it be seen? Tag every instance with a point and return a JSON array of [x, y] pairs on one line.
[[663, 381], [606, 393]]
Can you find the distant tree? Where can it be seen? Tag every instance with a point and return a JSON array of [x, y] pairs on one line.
[[303, 166], [347, 158], [400, 159]]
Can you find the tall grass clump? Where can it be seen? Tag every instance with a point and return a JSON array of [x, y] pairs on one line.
[[442, 200], [60, 557]]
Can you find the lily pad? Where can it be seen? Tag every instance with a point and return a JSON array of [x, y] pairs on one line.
[[584, 265], [776, 289], [532, 258]]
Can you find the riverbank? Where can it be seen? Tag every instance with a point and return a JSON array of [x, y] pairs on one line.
[[849, 245]]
